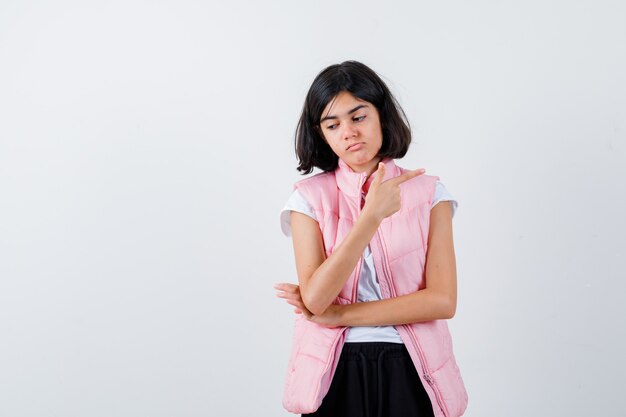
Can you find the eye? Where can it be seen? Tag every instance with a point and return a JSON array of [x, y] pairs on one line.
[[331, 127], [359, 118]]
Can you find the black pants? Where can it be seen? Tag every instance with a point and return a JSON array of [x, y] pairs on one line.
[[375, 379]]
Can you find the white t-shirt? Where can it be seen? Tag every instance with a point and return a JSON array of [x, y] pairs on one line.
[[368, 289]]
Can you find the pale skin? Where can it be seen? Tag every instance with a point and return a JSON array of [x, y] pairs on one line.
[[321, 278]]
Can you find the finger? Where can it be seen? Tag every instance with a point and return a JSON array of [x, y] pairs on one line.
[[287, 287], [380, 173], [295, 303], [288, 296], [406, 176]]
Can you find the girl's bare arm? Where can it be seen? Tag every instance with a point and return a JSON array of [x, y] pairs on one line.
[[436, 301], [322, 278]]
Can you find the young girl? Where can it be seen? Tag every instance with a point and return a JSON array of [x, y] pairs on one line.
[[375, 261]]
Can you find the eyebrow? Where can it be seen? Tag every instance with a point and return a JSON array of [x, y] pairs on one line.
[[349, 112]]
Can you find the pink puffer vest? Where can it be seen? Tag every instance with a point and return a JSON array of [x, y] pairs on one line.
[[399, 252]]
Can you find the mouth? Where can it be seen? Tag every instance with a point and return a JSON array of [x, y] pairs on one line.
[[355, 146]]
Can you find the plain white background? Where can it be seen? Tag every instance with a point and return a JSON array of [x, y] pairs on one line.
[[146, 149]]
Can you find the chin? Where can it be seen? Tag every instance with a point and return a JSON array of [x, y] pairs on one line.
[[363, 160]]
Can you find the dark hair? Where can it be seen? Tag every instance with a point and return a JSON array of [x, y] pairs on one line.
[[363, 83]]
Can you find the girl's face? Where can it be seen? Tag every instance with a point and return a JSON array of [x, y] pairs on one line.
[[351, 127]]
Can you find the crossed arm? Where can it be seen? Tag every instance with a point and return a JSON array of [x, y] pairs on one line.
[[320, 278]]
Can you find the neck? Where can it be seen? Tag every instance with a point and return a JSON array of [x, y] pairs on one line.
[[369, 168], [354, 183]]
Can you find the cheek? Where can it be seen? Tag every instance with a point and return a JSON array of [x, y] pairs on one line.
[[332, 144]]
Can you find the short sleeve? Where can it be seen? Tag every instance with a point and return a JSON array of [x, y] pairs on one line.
[[296, 202], [442, 194]]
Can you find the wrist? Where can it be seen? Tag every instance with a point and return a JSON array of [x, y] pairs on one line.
[[370, 217], [339, 314], [342, 315]]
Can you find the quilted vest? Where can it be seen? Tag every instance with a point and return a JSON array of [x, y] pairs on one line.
[[399, 252]]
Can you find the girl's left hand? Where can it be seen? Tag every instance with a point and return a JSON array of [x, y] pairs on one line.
[[291, 294]]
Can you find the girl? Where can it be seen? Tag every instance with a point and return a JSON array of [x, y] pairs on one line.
[[375, 261]]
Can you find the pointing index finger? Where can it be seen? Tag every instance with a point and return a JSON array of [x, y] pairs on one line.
[[407, 176]]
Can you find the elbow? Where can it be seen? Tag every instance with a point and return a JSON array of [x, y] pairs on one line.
[[448, 308], [315, 298], [314, 304], [317, 311]]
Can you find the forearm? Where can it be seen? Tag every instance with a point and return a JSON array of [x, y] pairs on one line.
[[330, 277], [423, 305]]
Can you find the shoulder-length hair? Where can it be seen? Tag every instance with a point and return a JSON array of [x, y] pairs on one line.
[[363, 83]]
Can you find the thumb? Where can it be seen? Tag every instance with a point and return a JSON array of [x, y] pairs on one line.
[[380, 173]]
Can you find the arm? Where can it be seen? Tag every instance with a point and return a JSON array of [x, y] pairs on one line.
[[436, 301], [321, 278]]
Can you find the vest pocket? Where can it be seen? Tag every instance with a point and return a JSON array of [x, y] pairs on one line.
[[450, 384], [314, 356]]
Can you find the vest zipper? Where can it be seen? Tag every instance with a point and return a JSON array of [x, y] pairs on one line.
[[413, 338], [355, 284]]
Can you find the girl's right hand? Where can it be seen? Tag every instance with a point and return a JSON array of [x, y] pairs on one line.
[[383, 197]]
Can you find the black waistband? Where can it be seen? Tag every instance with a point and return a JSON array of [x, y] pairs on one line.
[[373, 350]]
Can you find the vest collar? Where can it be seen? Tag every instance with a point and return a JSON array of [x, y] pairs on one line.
[[351, 183]]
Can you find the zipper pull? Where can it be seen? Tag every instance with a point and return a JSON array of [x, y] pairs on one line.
[[427, 378]]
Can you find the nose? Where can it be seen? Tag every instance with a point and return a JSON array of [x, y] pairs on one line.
[[349, 131]]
